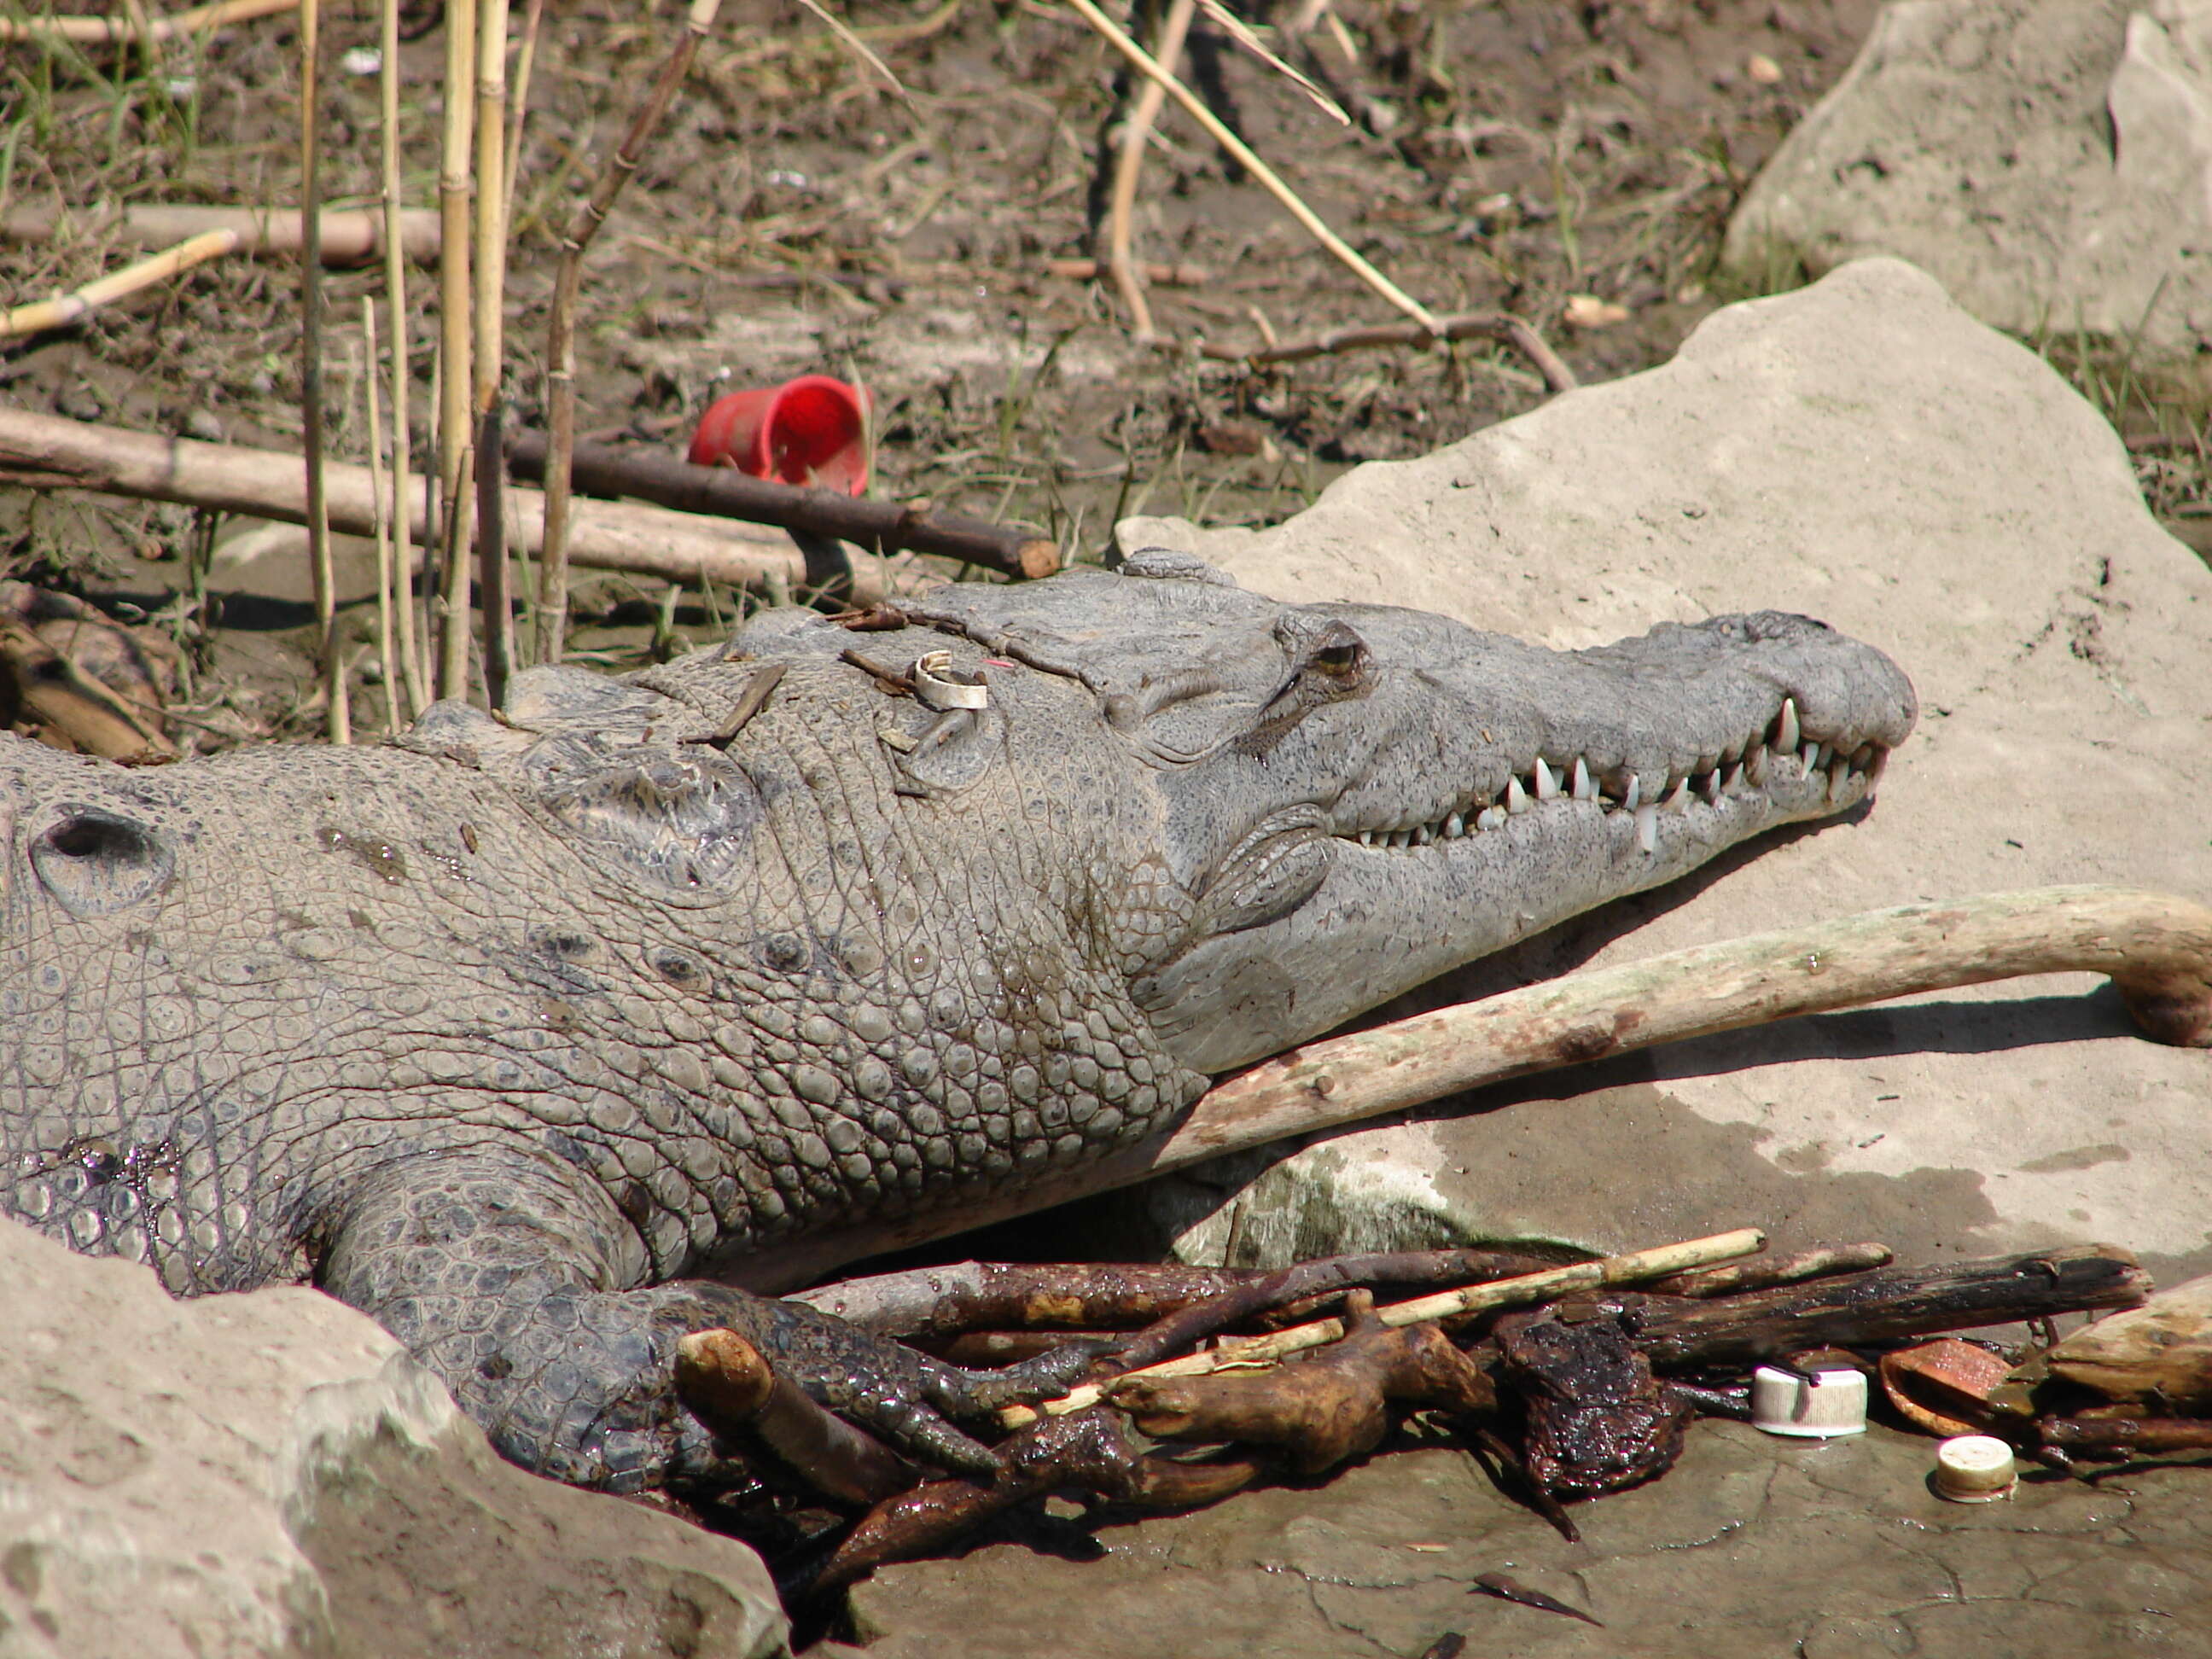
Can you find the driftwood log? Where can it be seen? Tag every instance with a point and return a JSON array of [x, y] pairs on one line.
[[883, 527]]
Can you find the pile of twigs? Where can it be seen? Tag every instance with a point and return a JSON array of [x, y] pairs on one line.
[[1571, 1380]]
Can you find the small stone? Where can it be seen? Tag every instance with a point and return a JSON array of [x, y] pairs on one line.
[[202, 424], [1762, 70], [1588, 310]]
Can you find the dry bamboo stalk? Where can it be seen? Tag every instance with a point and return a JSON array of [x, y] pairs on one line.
[[383, 518], [1194, 106], [457, 374], [101, 31], [494, 595], [2157, 948], [1251, 1352], [68, 307], [337, 724], [561, 347], [50, 451], [395, 289], [1129, 165], [349, 237], [526, 62]]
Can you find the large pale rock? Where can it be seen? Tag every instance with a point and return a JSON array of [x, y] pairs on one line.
[[272, 1474], [2051, 160], [1864, 452]]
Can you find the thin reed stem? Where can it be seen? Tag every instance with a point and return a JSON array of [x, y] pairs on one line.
[[337, 723]]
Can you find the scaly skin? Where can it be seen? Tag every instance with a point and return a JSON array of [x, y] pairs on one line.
[[532, 1037]]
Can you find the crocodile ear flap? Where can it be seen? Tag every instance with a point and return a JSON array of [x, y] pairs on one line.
[[1329, 663]]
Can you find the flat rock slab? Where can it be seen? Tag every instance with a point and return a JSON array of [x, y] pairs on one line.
[[1753, 1547], [1864, 452], [272, 1474], [2049, 160]]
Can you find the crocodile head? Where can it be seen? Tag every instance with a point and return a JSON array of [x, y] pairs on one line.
[[1357, 797]]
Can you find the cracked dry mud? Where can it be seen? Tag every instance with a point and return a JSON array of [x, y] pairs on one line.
[[1753, 1547]]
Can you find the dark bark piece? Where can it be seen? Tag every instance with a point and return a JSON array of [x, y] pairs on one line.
[[879, 527], [2126, 1437], [1882, 1307], [1597, 1419], [1512, 1589]]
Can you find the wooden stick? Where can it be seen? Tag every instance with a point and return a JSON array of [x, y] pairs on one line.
[[2157, 948], [50, 451], [353, 237], [1155, 273], [102, 31], [489, 270], [1129, 164], [1737, 1277], [1545, 1286], [561, 350], [387, 567], [1192, 105], [880, 526], [337, 720], [526, 62], [1507, 330], [44, 314], [395, 219], [457, 374]]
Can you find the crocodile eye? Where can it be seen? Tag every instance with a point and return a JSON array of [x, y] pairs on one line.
[[95, 862], [1344, 658]]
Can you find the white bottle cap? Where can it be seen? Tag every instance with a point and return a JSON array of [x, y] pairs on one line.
[[1974, 1469], [1828, 1404]]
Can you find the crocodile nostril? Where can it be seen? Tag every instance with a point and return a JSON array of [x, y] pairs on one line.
[[95, 862]]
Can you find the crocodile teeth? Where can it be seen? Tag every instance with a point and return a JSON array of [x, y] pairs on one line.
[[1734, 784], [1492, 817], [1647, 827], [1631, 792], [1815, 756], [1755, 765], [1422, 837], [1367, 838], [1581, 788], [1711, 788], [1454, 827], [1839, 778], [1547, 785], [1679, 797], [1517, 798], [1875, 766], [1786, 728]]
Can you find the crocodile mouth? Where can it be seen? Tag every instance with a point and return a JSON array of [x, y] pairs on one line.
[[1783, 753]]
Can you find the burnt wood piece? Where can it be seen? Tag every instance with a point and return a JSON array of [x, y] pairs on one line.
[[879, 527], [1883, 1307], [1596, 1419]]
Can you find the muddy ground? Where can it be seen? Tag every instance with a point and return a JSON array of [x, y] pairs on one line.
[[798, 213]]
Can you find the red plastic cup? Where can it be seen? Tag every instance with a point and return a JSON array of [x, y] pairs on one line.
[[812, 430]]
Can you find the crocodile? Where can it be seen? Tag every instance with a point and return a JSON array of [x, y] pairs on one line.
[[547, 1037]]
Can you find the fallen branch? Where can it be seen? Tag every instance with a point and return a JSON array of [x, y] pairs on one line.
[[353, 237], [43, 687], [2157, 948], [1764, 1274], [724, 1379], [1089, 1450], [42, 314], [48, 450], [1518, 1291], [1884, 1306], [1497, 325], [135, 26], [880, 526]]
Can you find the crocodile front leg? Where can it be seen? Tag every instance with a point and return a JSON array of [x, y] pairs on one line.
[[521, 1290]]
